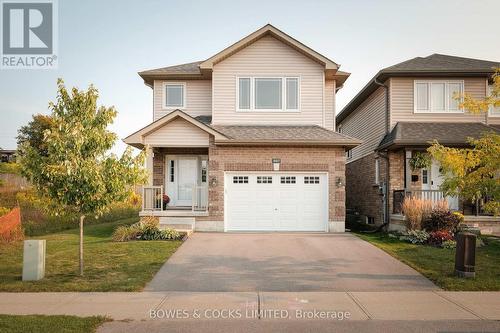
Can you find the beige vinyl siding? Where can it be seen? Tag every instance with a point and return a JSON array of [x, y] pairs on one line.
[[198, 98], [367, 123], [330, 104], [401, 96], [177, 133], [268, 57]]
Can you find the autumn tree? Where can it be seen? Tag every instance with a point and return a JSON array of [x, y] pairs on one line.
[[33, 133], [474, 173], [78, 173]]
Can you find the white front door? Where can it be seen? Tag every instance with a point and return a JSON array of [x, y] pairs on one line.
[[436, 182], [187, 170], [181, 176], [276, 201]]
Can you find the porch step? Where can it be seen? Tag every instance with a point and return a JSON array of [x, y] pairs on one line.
[[183, 224]]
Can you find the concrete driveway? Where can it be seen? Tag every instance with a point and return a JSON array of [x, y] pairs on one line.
[[283, 262]]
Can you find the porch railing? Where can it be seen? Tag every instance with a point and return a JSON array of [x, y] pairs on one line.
[[152, 198], [432, 195], [200, 198]]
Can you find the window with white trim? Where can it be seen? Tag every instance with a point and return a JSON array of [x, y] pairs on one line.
[[377, 171], [311, 179], [288, 180], [204, 166], [425, 176], [172, 171], [348, 154], [268, 94], [175, 96], [264, 179], [240, 179], [493, 110], [437, 96]]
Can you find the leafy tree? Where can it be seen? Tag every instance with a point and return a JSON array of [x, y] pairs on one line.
[[474, 173], [33, 133], [78, 173]]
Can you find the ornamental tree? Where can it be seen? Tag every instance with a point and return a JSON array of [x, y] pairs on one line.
[[474, 173], [77, 173]]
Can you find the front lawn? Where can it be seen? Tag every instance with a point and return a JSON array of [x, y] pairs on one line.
[[43, 324], [109, 266], [438, 264]]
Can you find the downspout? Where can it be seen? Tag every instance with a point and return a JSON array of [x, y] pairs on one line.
[[386, 155]]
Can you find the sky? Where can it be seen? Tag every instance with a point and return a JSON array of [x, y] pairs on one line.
[[106, 42]]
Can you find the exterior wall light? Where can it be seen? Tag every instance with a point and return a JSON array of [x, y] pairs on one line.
[[339, 182], [213, 181], [276, 164]]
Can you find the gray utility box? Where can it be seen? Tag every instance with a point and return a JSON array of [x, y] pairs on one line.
[[34, 260]]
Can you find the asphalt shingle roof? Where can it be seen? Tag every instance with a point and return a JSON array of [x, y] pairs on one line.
[[189, 68], [420, 134], [440, 62], [302, 134]]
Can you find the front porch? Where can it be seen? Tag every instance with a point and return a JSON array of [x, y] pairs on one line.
[[177, 182], [425, 183]]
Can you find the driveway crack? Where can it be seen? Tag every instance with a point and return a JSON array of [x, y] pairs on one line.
[[358, 303]]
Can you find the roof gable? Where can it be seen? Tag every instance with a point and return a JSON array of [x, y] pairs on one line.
[[137, 139], [266, 30]]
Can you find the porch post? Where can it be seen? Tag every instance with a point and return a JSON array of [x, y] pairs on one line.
[[407, 169], [149, 164]]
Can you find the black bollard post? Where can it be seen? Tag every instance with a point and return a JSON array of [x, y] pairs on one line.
[[465, 256]]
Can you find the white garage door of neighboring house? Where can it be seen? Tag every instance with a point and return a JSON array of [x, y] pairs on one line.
[[276, 201]]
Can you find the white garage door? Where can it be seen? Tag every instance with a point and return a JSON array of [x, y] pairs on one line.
[[276, 202]]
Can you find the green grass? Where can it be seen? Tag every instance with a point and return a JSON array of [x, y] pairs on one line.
[[438, 264], [109, 266], [43, 324]]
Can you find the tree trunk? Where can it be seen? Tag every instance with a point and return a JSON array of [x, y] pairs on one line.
[[82, 217]]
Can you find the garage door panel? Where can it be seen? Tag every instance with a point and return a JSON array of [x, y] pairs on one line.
[[276, 202]]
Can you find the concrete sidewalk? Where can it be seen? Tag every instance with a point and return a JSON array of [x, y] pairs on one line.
[[395, 305]]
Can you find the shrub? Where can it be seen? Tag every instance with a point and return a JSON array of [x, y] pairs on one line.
[[442, 220], [146, 229], [415, 236], [126, 233], [170, 234], [416, 211], [438, 237], [4, 210], [449, 244]]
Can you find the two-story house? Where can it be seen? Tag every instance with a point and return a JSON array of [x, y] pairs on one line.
[[396, 115], [245, 140]]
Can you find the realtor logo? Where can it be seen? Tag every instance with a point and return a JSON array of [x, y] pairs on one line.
[[29, 34]]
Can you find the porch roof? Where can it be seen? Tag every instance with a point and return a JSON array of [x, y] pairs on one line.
[[303, 135], [283, 135], [423, 133]]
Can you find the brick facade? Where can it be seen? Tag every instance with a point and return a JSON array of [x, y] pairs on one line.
[[363, 194], [237, 158]]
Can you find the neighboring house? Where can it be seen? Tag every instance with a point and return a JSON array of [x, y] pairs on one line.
[[246, 140], [7, 155], [397, 114]]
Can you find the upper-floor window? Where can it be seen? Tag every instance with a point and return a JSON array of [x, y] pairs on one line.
[[437, 96], [175, 96], [268, 94], [494, 110]]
